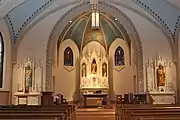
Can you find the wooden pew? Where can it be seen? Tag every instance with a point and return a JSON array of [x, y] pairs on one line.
[[132, 111], [41, 116], [154, 116], [65, 111], [151, 112]]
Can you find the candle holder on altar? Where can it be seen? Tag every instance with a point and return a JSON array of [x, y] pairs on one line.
[[19, 88], [26, 89]]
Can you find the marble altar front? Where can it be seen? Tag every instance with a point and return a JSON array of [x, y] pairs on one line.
[[27, 98], [163, 97]]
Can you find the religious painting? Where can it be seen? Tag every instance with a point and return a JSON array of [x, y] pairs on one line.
[[28, 76], [96, 35], [161, 76], [119, 57], [104, 70], [93, 67], [68, 57], [84, 71]]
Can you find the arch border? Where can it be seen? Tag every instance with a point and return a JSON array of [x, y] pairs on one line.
[[134, 36], [2, 62]]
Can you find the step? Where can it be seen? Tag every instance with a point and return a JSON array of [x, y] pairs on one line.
[[95, 114]]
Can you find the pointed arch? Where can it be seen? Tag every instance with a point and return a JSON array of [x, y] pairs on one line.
[[68, 57], [1, 59], [119, 57]]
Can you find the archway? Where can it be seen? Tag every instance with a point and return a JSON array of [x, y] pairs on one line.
[[122, 19]]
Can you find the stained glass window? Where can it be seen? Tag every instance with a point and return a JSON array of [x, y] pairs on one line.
[[1, 59], [119, 57], [68, 57]]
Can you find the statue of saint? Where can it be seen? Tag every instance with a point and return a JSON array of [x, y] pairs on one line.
[[83, 70], [161, 76], [94, 67], [28, 75], [104, 70]]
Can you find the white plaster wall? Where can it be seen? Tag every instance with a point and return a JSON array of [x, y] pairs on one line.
[[65, 80], [7, 70], [122, 80]]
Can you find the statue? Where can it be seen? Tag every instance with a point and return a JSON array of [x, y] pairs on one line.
[[161, 76], [28, 75], [83, 70], [94, 67], [104, 70]]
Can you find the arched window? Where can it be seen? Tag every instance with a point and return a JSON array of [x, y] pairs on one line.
[[68, 57], [1, 59], [119, 57]]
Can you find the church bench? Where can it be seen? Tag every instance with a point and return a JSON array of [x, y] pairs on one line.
[[34, 114], [157, 118], [155, 115], [34, 111], [69, 110], [123, 110], [146, 105], [149, 111], [54, 116]]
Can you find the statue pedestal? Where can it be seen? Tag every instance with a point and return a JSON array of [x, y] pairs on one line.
[[27, 98], [163, 97]]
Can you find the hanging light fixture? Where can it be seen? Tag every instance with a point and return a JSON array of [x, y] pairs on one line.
[[95, 14]]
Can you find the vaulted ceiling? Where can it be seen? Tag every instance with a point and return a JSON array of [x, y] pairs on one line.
[[21, 13]]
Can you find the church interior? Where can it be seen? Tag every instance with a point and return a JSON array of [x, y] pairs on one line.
[[101, 54]]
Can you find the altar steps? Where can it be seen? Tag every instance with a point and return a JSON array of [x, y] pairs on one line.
[[95, 114]]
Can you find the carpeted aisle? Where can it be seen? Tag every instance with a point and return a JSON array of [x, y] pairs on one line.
[[95, 114]]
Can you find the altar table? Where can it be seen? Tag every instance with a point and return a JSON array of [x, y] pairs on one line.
[[92, 99]]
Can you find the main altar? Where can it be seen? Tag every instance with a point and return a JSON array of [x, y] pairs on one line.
[[159, 81], [94, 77]]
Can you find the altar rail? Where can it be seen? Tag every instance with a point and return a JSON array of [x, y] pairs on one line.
[[52, 112], [147, 112]]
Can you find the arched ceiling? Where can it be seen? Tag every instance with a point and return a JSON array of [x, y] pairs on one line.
[[20, 13], [81, 32]]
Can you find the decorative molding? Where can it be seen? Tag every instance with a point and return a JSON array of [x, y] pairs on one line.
[[69, 68], [119, 68], [160, 19], [16, 31]]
